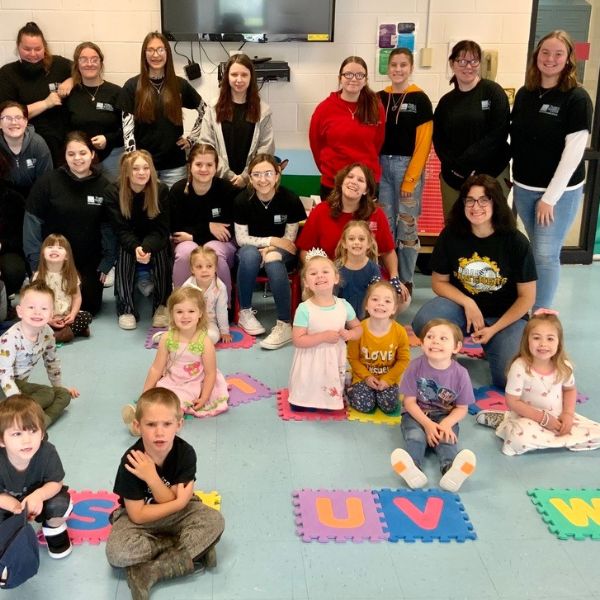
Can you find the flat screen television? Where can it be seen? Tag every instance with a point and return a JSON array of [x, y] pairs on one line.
[[248, 20]]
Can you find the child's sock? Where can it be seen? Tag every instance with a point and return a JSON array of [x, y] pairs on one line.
[[463, 466], [405, 466]]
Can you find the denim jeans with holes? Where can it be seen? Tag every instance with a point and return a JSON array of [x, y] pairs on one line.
[[402, 213]]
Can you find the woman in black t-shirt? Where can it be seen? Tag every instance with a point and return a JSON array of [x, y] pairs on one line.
[[551, 122], [93, 107], [152, 104], [41, 81], [201, 208], [239, 124], [266, 224], [483, 274], [470, 125], [408, 130]]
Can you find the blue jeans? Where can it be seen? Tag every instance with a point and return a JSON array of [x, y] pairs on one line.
[[172, 176], [249, 265], [111, 164], [415, 441], [499, 351], [547, 240], [402, 213]]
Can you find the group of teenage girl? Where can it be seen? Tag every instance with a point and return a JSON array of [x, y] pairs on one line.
[[175, 214]]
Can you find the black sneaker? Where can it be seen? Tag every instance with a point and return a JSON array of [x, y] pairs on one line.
[[59, 544]]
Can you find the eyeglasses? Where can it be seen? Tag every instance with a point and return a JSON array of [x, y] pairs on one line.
[[84, 60], [483, 201], [159, 51], [463, 62], [350, 75], [260, 174], [11, 119]]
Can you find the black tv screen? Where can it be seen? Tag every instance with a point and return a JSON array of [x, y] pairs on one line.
[[248, 20]]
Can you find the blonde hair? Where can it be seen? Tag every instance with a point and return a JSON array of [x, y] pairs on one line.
[[161, 396], [386, 285], [190, 294], [560, 360], [68, 272], [23, 412], [150, 191], [306, 292], [205, 251], [341, 252]]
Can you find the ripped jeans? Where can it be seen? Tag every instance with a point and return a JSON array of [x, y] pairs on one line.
[[402, 213]]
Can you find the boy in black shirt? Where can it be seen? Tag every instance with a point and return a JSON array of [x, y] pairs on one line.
[[161, 528], [31, 473]]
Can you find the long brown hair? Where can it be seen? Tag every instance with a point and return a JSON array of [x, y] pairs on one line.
[[146, 99], [75, 72], [367, 109], [224, 106], [366, 206], [560, 361], [70, 278], [126, 193], [567, 80], [31, 29]]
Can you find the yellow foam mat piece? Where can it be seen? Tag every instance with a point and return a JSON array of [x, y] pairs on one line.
[[212, 499], [377, 417]]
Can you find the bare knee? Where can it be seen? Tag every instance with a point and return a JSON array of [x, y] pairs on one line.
[[273, 256]]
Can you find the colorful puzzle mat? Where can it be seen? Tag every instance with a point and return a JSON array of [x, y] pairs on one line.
[[287, 414], [375, 515], [569, 513], [239, 339], [491, 397], [89, 519], [244, 388], [377, 416]]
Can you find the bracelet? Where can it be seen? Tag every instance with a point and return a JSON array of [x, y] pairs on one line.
[[545, 418]]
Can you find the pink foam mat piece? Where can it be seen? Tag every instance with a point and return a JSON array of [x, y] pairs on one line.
[[287, 414], [340, 516], [244, 388], [471, 348], [240, 339]]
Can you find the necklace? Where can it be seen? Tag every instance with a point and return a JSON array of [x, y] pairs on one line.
[[265, 205], [92, 96], [395, 105], [157, 84], [541, 93]]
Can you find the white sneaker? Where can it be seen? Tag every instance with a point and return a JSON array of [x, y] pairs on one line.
[[404, 465], [127, 322], [161, 317], [156, 337], [109, 280], [463, 466], [249, 323], [280, 335]]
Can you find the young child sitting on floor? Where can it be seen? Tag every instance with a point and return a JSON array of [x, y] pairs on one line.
[[381, 355], [24, 344], [161, 529], [31, 474], [437, 393]]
